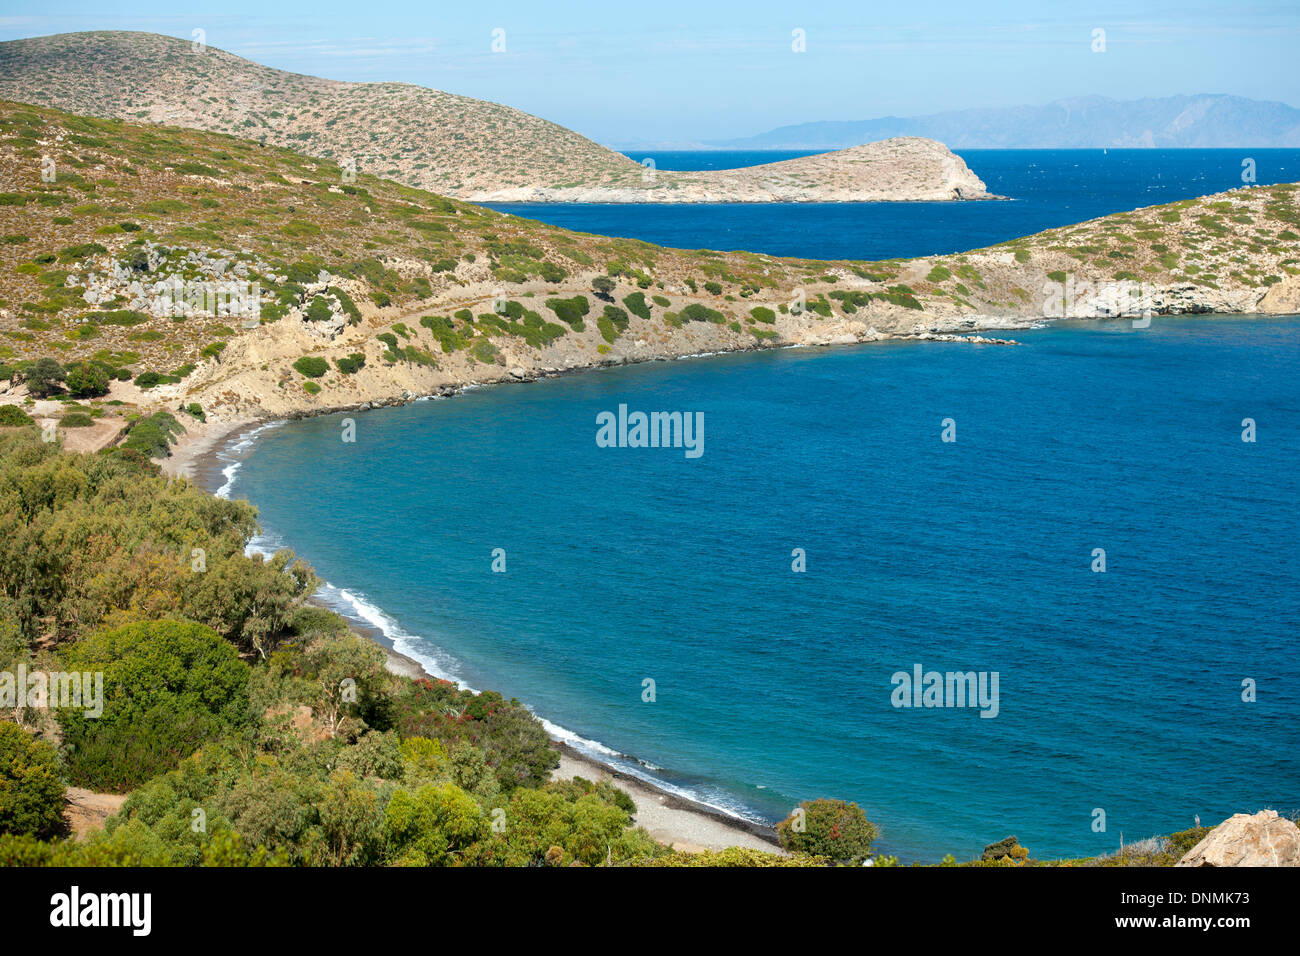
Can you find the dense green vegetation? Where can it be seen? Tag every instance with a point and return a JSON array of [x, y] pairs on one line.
[[31, 793], [11, 416], [248, 726], [151, 436], [171, 687]]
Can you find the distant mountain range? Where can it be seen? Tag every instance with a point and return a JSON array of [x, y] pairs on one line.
[[1203, 121]]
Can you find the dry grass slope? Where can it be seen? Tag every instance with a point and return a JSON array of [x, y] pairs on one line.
[[451, 144]]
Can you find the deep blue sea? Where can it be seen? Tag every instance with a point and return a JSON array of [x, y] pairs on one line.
[[1119, 691], [1049, 188]]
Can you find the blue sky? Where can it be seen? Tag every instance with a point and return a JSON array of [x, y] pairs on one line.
[[662, 71]]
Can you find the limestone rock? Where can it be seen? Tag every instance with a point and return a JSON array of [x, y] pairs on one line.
[[1283, 298], [1264, 839]]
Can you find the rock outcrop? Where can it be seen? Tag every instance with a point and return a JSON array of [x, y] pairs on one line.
[[1006, 847], [1282, 298], [1262, 839]]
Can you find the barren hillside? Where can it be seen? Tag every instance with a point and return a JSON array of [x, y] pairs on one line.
[[452, 145]]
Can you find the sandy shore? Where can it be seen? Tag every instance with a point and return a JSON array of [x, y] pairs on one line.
[[194, 455], [682, 824]]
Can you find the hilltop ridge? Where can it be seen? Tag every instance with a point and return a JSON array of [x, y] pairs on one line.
[[453, 145]]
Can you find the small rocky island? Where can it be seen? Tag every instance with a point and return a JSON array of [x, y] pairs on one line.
[[905, 169]]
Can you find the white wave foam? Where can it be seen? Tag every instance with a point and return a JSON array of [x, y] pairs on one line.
[[235, 452], [695, 355], [443, 666], [439, 663], [645, 772], [356, 606]]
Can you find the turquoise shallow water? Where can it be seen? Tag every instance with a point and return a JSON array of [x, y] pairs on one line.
[[1119, 690]]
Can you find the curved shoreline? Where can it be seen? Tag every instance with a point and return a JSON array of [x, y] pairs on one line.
[[678, 821]]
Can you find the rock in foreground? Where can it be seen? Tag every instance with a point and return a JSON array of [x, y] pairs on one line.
[[1264, 839]]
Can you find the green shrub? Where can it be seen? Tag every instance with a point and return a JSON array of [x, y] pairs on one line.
[[76, 420], [11, 416], [165, 207], [351, 364], [636, 304], [122, 317], [312, 366], [701, 313], [87, 380], [169, 688], [834, 829], [43, 377], [82, 251], [345, 302], [485, 352], [318, 311], [612, 323], [570, 310], [445, 332], [152, 436], [31, 791], [762, 313]]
